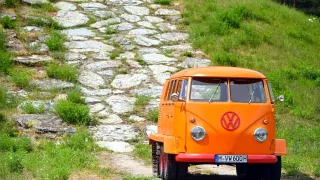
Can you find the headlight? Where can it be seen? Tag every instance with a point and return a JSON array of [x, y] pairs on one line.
[[260, 134], [198, 133]]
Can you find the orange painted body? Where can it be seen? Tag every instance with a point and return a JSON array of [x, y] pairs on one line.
[[176, 118]]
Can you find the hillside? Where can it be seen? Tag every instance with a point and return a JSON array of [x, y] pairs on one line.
[[281, 42]]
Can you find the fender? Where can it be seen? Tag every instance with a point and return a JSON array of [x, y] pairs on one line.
[[281, 147], [169, 142]]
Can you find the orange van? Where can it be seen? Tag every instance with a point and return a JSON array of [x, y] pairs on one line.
[[217, 115]]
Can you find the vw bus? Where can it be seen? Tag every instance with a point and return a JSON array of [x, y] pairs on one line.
[[217, 115]]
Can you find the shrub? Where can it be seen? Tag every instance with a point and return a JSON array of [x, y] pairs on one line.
[[142, 100], [5, 62], [75, 97], [7, 22], [2, 118], [3, 40], [163, 2], [233, 16], [20, 77], [30, 108], [317, 81], [64, 72], [226, 58], [55, 41], [187, 53], [153, 115], [73, 113], [12, 3]]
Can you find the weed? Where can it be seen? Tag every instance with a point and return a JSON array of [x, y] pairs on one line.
[[143, 151], [187, 53], [110, 30], [121, 71], [153, 115], [71, 112], [75, 97], [141, 62], [30, 108], [7, 22], [114, 54], [64, 72], [55, 41], [163, 2], [59, 56], [5, 62], [2, 118], [44, 22], [20, 77], [80, 141], [142, 100], [91, 20], [7, 100], [3, 40], [45, 7]]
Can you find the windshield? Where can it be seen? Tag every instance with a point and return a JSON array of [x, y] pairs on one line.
[[247, 91], [208, 89]]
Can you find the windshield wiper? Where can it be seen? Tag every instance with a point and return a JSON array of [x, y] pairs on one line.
[[215, 91], [252, 94]]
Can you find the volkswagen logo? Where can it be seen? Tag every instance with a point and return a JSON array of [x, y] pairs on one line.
[[230, 121]]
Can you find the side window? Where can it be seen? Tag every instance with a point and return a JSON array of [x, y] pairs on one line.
[[172, 87], [271, 92], [183, 89]]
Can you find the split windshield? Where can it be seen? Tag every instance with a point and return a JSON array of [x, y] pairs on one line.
[[208, 89]]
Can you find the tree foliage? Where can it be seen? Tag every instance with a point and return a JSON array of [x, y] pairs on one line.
[[308, 6]]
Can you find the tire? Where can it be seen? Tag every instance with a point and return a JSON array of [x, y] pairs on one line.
[[170, 169], [240, 168], [274, 170], [155, 159]]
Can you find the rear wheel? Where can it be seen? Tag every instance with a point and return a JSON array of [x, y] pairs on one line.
[[155, 159]]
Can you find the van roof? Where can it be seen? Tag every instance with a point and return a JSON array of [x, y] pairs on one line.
[[219, 71]]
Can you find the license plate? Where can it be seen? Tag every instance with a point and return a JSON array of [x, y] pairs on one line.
[[230, 158]]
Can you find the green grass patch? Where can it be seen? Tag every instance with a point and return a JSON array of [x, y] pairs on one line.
[[30, 108], [163, 2], [7, 100], [142, 100], [45, 7], [55, 41], [188, 54], [7, 22], [64, 72], [44, 22], [143, 151], [12, 3], [5, 62], [153, 115], [20, 77], [74, 113], [3, 40], [141, 62], [110, 30], [75, 97]]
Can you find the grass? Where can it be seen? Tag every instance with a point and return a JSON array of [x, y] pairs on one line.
[[7, 100], [63, 72], [142, 100], [110, 30], [163, 2], [55, 41], [7, 22], [45, 21], [75, 97], [141, 62], [5, 62], [188, 54], [45, 7], [279, 42], [73, 113], [143, 151], [20, 77], [153, 115], [3, 40], [12, 3], [30, 108]]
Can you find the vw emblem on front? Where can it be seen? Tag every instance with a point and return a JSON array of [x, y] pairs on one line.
[[230, 121]]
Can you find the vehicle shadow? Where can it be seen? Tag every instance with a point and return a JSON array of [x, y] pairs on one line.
[[211, 177]]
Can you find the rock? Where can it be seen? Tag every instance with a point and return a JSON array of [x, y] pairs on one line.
[[100, 65], [33, 59], [65, 6], [51, 84], [128, 47], [121, 104], [35, 1], [137, 10], [146, 24], [107, 22], [10, 16], [181, 47], [130, 17], [136, 118], [75, 57], [104, 14], [125, 2], [88, 46], [78, 32], [142, 32], [158, 59], [97, 92], [194, 62], [154, 19], [144, 41], [156, 69], [122, 40], [104, 113], [167, 27], [142, 51], [134, 64], [151, 129], [123, 81], [106, 73], [46, 105], [153, 104], [96, 107], [116, 146], [89, 100], [32, 28], [153, 91], [167, 12], [127, 55], [101, 55], [111, 119], [43, 123], [92, 6], [71, 18], [175, 36], [117, 132], [122, 26], [162, 77], [91, 79]]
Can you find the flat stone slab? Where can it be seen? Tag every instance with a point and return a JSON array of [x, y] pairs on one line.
[[101, 65], [51, 84], [145, 50], [123, 81], [122, 26], [181, 47], [33, 59], [162, 77], [47, 105], [146, 24], [130, 17], [92, 6], [121, 104], [151, 129], [107, 22], [88, 46], [167, 12], [137, 10], [153, 91], [96, 92], [154, 19], [90, 79], [136, 118], [33, 28], [157, 69], [142, 32], [173, 37], [94, 108], [79, 32], [35, 1], [167, 27], [116, 146], [43, 123], [158, 59], [71, 18], [111, 119], [65, 6], [144, 41], [195, 62], [104, 14], [119, 132], [75, 57], [125, 2]]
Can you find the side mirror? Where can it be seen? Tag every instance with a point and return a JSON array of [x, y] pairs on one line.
[[174, 97], [280, 98]]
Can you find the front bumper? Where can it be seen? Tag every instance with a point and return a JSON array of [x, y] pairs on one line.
[[209, 158]]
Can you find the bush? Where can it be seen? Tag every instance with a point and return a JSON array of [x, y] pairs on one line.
[[7, 22], [75, 97], [3, 40], [64, 72], [20, 77], [30, 108], [226, 58], [5, 62], [142, 100], [12, 3], [55, 41], [73, 113], [187, 53], [153, 115], [163, 2]]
